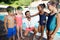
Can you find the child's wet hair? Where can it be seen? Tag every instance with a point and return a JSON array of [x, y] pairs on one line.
[[10, 9], [19, 8], [42, 5], [26, 12], [52, 3]]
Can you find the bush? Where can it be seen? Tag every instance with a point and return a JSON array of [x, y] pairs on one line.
[[16, 2]]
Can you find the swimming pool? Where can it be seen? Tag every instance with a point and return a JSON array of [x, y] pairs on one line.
[[24, 26], [2, 17]]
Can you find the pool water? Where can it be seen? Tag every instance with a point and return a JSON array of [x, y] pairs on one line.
[[24, 26], [2, 17]]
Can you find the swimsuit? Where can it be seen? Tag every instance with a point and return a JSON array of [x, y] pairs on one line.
[[42, 19], [51, 23], [19, 20], [11, 32]]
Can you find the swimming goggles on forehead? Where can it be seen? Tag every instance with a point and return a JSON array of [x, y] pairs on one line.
[[12, 11], [20, 9]]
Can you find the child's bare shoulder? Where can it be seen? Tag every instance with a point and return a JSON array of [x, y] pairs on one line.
[[58, 15]]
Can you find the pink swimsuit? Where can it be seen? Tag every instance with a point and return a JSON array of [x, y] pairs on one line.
[[18, 20]]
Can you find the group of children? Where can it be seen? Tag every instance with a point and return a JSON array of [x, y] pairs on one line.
[[13, 21]]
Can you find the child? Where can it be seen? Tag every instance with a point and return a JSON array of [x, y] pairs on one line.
[[29, 24], [53, 20], [9, 20], [42, 15], [18, 18]]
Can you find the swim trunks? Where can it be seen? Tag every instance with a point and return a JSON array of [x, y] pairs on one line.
[[11, 32]]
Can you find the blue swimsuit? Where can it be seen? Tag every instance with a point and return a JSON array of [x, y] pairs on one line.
[[42, 19], [51, 23]]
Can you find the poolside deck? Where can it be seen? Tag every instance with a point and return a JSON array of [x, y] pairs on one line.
[[3, 37], [29, 37]]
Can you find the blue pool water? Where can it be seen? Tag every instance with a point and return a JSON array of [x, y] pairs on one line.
[[2, 17], [24, 26]]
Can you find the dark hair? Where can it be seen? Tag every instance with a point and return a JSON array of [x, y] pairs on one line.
[[26, 12], [10, 9], [19, 8], [42, 5], [52, 3]]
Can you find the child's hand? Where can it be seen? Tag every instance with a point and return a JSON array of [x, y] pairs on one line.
[[52, 36], [6, 31], [49, 36]]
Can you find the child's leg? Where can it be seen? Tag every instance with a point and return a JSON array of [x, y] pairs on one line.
[[47, 32], [39, 28], [10, 38], [18, 32], [51, 38], [14, 37], [35, 31], [21, 31], [42, 31]]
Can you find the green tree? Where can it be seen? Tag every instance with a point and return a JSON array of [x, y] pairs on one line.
[[16, 2], [8, 1], [25, 2]]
